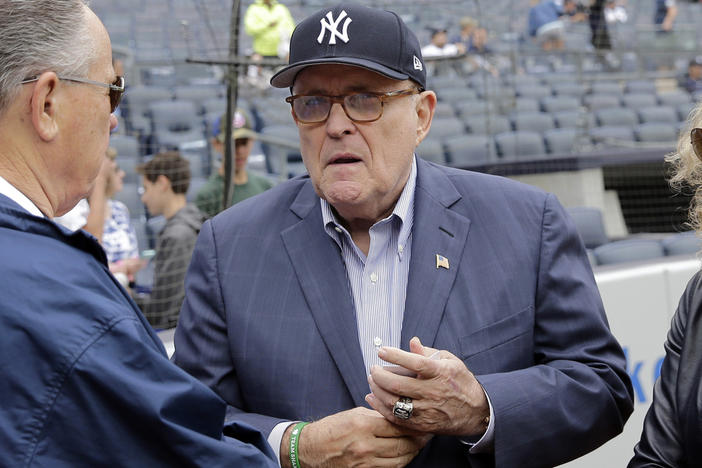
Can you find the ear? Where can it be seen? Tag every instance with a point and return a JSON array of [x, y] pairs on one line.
[[426, 104], [163, 182], [44, 106]]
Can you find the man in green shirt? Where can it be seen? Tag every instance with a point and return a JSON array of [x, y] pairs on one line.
[[246, 184]]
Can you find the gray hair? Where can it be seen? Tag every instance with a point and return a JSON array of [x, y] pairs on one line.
[[38, 36]]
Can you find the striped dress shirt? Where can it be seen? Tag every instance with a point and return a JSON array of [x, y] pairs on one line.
[[378, 281]]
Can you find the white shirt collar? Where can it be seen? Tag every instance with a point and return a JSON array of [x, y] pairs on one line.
[[18, 197]]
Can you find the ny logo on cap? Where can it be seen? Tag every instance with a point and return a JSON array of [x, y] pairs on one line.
[[329, 23]]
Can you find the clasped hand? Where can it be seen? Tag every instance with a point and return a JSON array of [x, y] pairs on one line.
[[446, 397]]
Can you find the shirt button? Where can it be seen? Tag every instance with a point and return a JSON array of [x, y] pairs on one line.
[[374, 277], [337, 229], [377, 341], [401, 248]]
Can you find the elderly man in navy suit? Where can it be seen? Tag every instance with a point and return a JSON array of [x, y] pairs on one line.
[[412, 314]]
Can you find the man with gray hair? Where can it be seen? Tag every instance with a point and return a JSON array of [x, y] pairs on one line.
[[85, 380]]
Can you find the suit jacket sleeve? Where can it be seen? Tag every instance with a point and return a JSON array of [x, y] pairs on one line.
[[201, 335], [661, 443], [577, 390], [126, 401]]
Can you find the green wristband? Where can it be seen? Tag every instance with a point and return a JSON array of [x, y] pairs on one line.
[[294, 439]]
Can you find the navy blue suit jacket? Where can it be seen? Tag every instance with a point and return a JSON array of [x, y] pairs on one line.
[[268, 321]]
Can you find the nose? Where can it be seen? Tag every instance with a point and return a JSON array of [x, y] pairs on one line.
[[113, 122], [338, 123]]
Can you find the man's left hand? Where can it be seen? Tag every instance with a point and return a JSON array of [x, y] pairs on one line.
[[446, 397]]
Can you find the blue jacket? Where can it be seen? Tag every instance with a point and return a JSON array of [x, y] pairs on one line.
[[269, 323], [84, 381], [543, 13]]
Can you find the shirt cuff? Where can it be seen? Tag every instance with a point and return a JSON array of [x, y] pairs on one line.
[[276, 436], [486, 443]]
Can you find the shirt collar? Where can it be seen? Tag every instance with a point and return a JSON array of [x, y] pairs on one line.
[[404, 209], [18, 197]]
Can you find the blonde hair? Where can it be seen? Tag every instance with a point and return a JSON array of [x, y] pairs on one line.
[[687, 168]]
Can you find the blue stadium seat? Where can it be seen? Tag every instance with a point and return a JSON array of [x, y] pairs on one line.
[[431, 149], [175, 123], [532, 121], [682, 243], [469, 149], [590, 225], [560, 140], [629, 250], [479, 124], [519, 143], [616, 116]]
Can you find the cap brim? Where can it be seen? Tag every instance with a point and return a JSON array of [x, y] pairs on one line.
[[238, 134], [286, 77]]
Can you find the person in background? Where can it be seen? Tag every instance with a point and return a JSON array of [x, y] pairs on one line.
[[464, 38], [665, 13], [210, 197], [546, 22], [692, 80], [440, 47], [118, 235], [85, 380], [166, 178], [673, 425], [319, 301], [269, 23]]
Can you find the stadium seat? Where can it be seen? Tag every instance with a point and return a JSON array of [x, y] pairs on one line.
[[128, 164], [682, 243], [136, 106], [629, 250], [175, 123], [640, 86], [432, 150], [287, 152], [525, 104], [126, 146], [446, 127], [600, 101], [537, 91], [590, 225], [443, 109], [612, 136], [454, 94], [469, 149], [665, 114], [639, 100], [618, 116], [479, 124], [474, 107], [197, 94], [519, 143], [568, 88], [573, 119], [532, 121], [560, 140], [606, 87], [559, 103], [656, 132], [674, 98]]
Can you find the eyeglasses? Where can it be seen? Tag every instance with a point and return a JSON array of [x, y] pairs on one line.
[[696, 140], [359, 107], [116, 87]]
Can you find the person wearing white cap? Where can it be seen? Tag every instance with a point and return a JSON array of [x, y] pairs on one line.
[[387, 311]]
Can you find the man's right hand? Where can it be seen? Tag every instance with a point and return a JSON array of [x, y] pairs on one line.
[[358, 437]]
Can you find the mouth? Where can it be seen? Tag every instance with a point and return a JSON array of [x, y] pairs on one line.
[[344, 159]]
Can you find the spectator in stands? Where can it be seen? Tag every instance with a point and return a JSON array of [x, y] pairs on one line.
[[464, 38], [118, 235], [270, 24], [546, 22], [85, 380], [665, 13], [692, 81], [246, 184], [297, 297], [439, 47], [165, 179], [673, 426]]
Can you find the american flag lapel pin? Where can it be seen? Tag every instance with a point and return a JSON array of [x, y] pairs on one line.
[[441, 262]]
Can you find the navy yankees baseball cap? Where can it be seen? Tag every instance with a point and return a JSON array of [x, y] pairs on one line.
[[353, 34]]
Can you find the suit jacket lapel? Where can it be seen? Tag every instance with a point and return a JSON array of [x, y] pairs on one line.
[[322, 277], [437, 230]]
